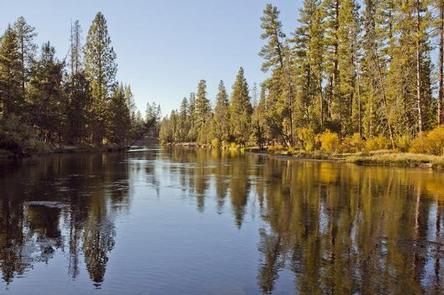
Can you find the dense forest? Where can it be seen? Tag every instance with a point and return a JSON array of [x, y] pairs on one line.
[[348, 78], [45, 102]]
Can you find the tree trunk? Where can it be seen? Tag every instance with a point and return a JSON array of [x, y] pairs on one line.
[[418, 68], [441, 66]]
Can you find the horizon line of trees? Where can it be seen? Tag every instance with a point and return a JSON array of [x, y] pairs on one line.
[[76, 100], [356, 71]]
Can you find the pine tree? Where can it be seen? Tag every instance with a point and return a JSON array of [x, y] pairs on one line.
[[184, 120], [75, 48], [25, 34], [377, 45], [240, 110], [439, 24], [11, 99], [409, 68], [331, 9], [277, 58], [46, 95], [100, 69], [120, 119], [259, 128], [348, 32], [308, 51], [78, 109], [152, 120], [221, 119], [202, 113], [192, 133]]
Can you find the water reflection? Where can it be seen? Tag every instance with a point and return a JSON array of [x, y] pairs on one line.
[[61, 202], [325, 227]]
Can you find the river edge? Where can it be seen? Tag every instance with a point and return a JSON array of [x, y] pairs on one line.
[[63, 149], [393, 159], [386, 158]]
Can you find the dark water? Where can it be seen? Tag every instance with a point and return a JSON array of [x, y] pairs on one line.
[[195, 222]]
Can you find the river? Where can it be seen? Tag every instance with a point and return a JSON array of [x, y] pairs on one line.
[[199, 222]]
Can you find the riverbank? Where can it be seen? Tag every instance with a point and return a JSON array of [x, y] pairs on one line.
[[63, 149], [372, 158]]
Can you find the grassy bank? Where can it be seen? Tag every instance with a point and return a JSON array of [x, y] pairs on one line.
[[374, 158], [399, 160]]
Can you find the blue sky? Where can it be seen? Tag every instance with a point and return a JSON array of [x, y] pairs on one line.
[[163, 47]]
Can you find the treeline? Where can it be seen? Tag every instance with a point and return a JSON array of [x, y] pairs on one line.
[[359, 73], [76, 100]]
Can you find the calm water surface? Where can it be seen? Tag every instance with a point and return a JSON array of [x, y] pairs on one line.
[[196, 222]]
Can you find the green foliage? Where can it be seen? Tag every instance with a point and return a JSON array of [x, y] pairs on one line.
[[11, 98], [78, 112], [202, 114], [100, 69], [46, 95], [240, 110], [82, 106], [353, 71], [329, 141], [119, 119], [221, 118], [14, 135]]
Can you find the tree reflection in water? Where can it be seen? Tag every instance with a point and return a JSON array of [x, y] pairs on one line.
[[65, 199], [335, 228], [339, 228]]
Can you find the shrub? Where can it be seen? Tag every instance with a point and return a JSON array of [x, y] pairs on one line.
[[430, 143], [403, 143], [379, 142], [329, 141], [352, 143], [215, 143], [234, 146], [307, 138], [17, 136]]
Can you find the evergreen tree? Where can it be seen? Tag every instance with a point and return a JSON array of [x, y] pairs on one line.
[[377, 56], [344, 104], [11, 99], [27, 48], [331, 10], [258, 121], [308, 51], [75, 48], [184, 120], [221, 119], [100, 69], [152, 119], [439, 24], [78, 109], [120, 119], [240, 110], [278, 59], [192, 133], [202, 113], [46, 95]]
